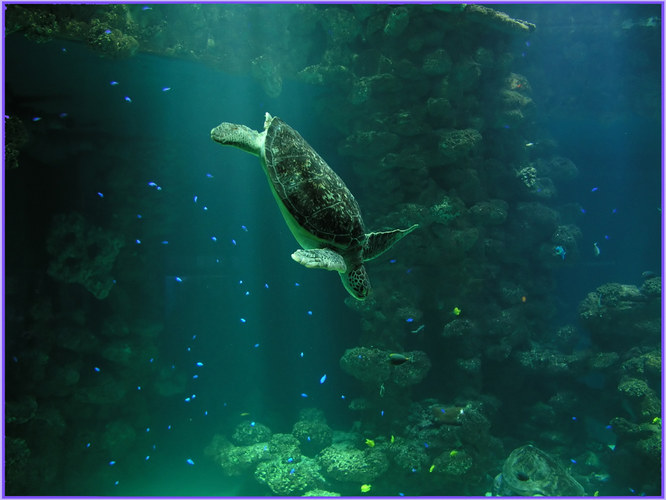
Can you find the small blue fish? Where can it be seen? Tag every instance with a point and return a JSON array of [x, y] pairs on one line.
[[166, 89], [309, 313], [243, 320], [178, 279], [322, 379], [244, 228], [96, 369], [107, 32], [594, 189], [303, 395], [233, 242], [199, 363], [559, 250], [112, 462], [146, 7], [292, 471], [128, 99], [101, 195], [113, 83], [190, 461]]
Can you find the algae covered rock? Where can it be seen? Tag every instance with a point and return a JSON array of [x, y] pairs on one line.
[[284, 447], [366, 364], [413, 371], [454, 464], [238, 460], [343, 462], [408, 455], [82, 253], [312, 432], [457, 145], [248, 432], [620, 316], [290, 478]]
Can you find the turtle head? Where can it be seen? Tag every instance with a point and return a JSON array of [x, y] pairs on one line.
[[239, 136], [356, 282]]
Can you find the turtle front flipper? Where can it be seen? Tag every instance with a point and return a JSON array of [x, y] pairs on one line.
[[239, 136], [378, 243], [320, 258]]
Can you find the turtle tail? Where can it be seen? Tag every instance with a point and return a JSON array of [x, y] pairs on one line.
[[356, 282]]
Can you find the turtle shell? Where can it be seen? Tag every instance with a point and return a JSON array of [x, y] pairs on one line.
[[313, 194]]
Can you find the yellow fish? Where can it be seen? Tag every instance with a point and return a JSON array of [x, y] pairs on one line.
[[453, 453], [244, 414], [392, 439], [370, 443], [432, 468], [596, 493], [365, 488], [456, 311]]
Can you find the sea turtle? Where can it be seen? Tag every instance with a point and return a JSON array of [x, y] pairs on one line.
[[320, 211]]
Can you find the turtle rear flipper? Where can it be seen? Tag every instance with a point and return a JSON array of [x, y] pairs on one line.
[[378, 243], [356, 282], [320, 258]]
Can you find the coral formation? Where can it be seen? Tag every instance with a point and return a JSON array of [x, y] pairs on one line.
[[344, 463], [312, 431], [82, 253]]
